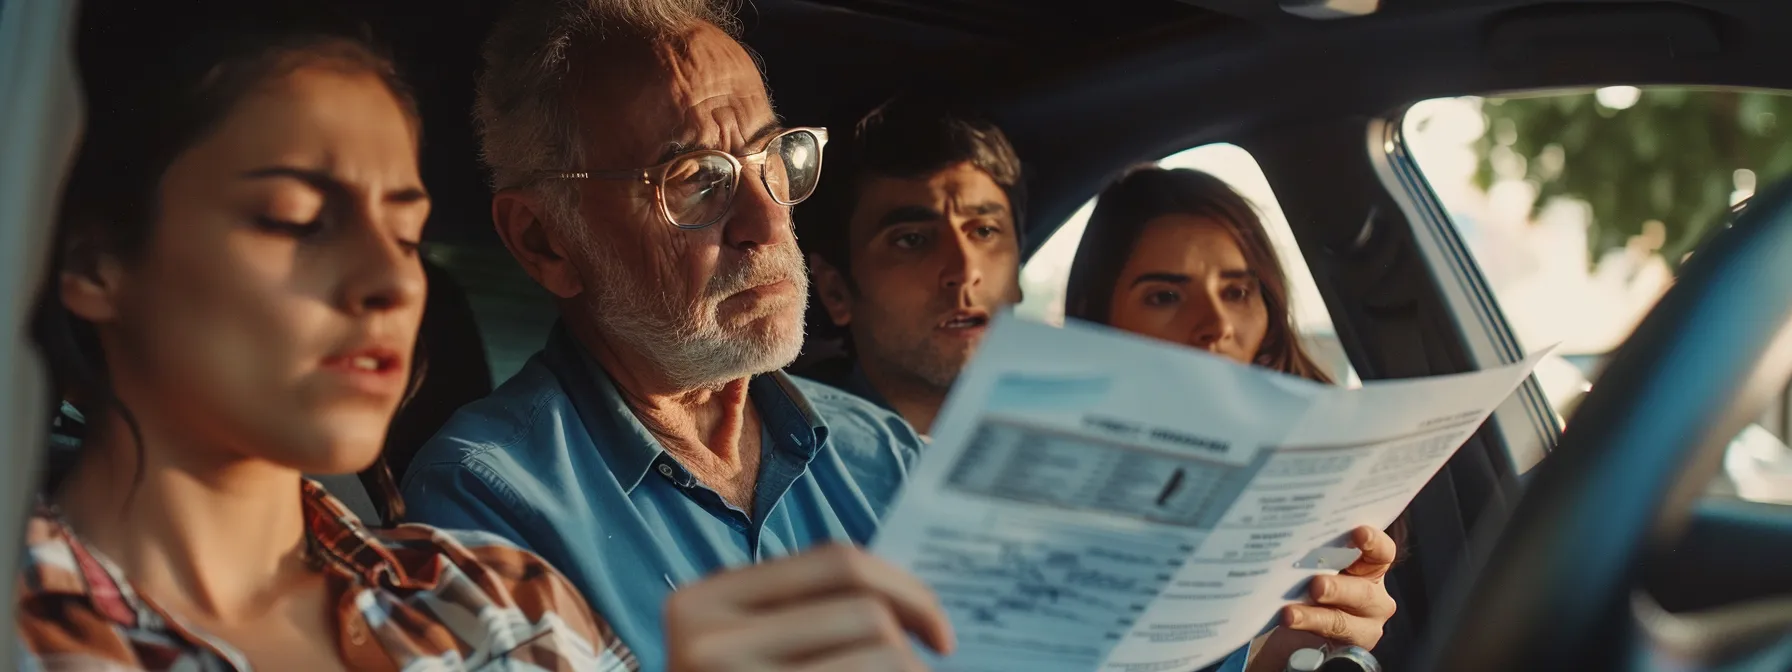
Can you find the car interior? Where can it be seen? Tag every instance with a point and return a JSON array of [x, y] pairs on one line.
[[1594, 549]]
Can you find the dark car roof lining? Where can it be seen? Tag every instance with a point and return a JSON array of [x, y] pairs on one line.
[[1081, 110], [1148, 104], [1016, 22]]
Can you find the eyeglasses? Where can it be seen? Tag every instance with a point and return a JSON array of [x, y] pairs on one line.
[[696, 189]]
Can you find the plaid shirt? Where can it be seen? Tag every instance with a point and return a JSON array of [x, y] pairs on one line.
[[408, 598]]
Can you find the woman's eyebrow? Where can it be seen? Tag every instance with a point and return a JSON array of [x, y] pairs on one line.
[[1184, 278], [328, 184], [407, 195], [311, 177], [1172, 278]]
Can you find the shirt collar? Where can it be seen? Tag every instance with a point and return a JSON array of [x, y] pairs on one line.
[[787, 413], [345, 541], [628, 448], [56, 563], [857, 383]]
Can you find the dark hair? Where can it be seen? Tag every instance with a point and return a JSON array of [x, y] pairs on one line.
[[153, 91], [903, 139], [1146, 193]]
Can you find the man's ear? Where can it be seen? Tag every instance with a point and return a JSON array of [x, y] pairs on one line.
[[522, 224], [90, 282], [833, 290]]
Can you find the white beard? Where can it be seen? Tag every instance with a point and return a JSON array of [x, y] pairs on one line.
[[688, 344]]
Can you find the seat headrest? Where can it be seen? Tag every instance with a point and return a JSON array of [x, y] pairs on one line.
[[457, 371]]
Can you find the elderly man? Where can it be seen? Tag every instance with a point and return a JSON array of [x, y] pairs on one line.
[[642, 178]]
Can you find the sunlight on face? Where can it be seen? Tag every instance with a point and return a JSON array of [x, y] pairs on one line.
[[273, 312], [703, 306], [934, 258], [1187, 282]]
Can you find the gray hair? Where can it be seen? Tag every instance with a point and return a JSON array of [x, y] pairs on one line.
[[524, 112]]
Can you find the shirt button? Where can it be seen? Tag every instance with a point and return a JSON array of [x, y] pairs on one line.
[[357, 633], [666, 470]]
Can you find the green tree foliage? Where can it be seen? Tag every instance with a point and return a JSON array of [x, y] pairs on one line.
[[1671, 157]]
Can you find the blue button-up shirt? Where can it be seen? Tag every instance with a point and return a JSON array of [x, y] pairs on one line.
[[556, 462]]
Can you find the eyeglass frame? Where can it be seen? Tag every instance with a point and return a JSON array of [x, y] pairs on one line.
[[655, 175]]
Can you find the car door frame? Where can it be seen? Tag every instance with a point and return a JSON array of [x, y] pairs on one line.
[[40, 119]]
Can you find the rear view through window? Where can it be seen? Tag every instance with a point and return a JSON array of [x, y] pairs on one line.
[[1580, 207]]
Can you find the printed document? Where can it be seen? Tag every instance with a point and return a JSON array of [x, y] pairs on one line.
[[1093, 500]]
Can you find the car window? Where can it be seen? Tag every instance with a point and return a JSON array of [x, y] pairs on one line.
[[1045, 275], [1579, 207]]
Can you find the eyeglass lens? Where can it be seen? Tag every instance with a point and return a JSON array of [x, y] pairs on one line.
[[700, 189]]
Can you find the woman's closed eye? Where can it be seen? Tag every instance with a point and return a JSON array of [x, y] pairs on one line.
[[299, 230], [305, 230]]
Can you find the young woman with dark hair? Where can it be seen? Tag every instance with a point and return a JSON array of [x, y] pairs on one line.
[[1177, 255], [234, 303]]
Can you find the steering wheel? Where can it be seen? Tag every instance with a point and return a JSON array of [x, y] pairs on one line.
[[1556, 592]]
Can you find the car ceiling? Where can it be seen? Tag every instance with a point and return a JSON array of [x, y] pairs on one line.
[[826, 62], [1087, 88]]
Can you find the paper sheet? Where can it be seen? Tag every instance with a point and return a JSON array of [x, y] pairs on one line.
[[1097, 501]]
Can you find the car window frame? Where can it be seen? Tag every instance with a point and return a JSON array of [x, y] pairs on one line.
[[1527, 424], [40, 122], [1450, 252]]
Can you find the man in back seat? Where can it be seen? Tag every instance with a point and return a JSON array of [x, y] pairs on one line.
[[642, 178], [915, 244]]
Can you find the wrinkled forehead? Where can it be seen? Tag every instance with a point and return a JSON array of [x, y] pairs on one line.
[[639, 100]]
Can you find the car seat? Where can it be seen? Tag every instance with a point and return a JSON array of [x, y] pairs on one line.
[[451, 358], [455, 373]]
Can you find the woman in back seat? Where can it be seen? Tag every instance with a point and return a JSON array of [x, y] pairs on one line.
[[236, 297], [1177, 255]]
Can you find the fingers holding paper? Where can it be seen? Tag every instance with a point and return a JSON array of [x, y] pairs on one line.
[[831, 608], [1353, 606]]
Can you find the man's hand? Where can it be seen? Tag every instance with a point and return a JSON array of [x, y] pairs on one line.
[[832, 608], [1351, 607]]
